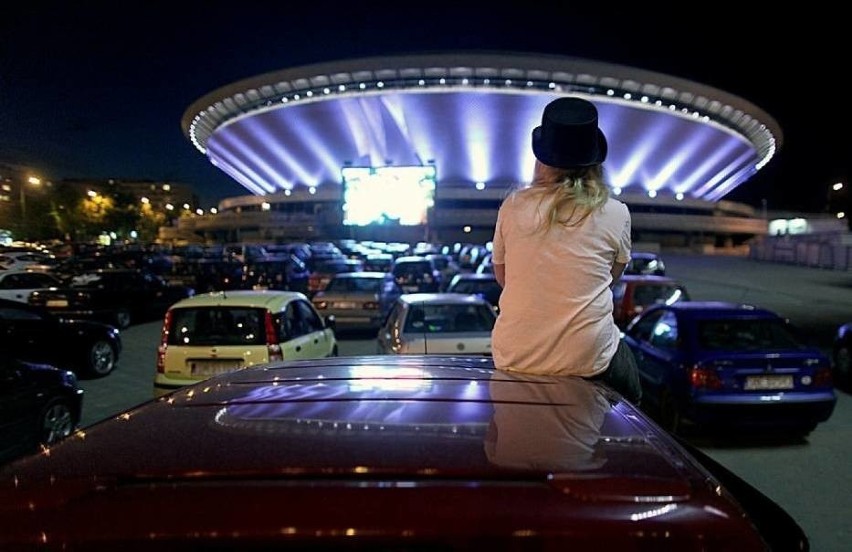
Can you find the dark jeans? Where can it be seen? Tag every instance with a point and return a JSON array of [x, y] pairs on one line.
[[622, 374]]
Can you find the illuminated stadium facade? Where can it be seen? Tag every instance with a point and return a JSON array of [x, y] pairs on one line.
[[676, 148]]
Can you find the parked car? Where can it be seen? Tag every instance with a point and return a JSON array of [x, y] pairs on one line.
[[358, 300], [326, 269], [115, 296], [841, 354], [438, 323], [645, 262], [218, 332], [33, 334], [726, 364], [17, 285], [421, 452], [416, 274], [633, 293], [482, 284], [39, 405], [11, 260]]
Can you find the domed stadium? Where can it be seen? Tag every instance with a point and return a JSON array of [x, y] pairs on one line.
[[425, 147]]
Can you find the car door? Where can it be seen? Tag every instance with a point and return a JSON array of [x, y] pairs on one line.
[[16, 395], [18, 286], [658, 356], [27, 334], [302, 338], [320, 340]]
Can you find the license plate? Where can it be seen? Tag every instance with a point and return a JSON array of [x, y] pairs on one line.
[[57, 303], [209, 368], [409, 289], [345, 305], [768, 382]]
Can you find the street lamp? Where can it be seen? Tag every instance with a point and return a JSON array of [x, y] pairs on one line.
[[35, 181]]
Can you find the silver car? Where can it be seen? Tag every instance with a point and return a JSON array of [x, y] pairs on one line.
[[438, 323], [358, 300]]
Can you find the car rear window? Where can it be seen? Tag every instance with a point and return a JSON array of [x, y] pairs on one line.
[[410, 268], [449, 318], [372, 285], [217, 326], [745, 334], [645, 295]]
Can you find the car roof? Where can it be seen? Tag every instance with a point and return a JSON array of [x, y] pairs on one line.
[[649, 278], [475, 276], [361, 274], [270, 299], [329, 416], [717, 309], [441, 298]]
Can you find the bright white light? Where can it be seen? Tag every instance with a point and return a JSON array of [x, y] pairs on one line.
[[287, 192], [145, 200], [610, 92], [134, 234], [627, 95], [213, 210], [265, 206], [480, 185], [679, 196], [838, 186], [464, 82], [442, 80], [529, 83], [341, 88], [167, 187], [421, 82], [645, 99], [380, 84], [552, 85], [486, 81], [508, 82], [92, 193], [362, 86], [841, 215], [199, 212], [169, 207], [312, 190], [326, 91], [186, 206], [616, 190], [652, 193], [309, 94], [466, 229]]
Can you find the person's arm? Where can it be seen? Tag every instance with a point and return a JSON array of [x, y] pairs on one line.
[[617, 270], [500, 274]]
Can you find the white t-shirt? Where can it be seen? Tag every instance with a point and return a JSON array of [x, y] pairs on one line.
[[556, 306]]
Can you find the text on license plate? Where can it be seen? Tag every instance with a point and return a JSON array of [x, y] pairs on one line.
[[345, 304], [57, 303], [214, 367], [768, 382]]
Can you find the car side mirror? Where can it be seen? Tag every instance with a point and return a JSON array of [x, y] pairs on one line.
[[331, 322]]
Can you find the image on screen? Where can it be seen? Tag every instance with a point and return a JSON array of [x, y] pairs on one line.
[[387, 195]]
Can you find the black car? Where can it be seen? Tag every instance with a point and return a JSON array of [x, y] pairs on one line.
[[34, 334], [113, 296], [39, 405]]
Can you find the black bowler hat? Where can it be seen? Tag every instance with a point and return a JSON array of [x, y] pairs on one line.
[[569, 136]]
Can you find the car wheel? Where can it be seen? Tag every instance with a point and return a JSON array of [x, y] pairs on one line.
[[670, 418], [101, 359], [56, 422], [842, 361], [122, 318]]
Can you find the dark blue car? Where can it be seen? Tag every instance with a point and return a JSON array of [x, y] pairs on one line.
[[726, 364]]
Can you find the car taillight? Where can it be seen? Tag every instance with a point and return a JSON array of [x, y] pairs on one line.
[[822, 377], [273, 348], [321, 305], [164, 343], [703, 377], [371, 305]]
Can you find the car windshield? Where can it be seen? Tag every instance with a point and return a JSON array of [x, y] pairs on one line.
[[746, 334], [217, 326]]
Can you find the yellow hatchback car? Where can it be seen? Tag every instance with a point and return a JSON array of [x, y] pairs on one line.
[[213, 333]]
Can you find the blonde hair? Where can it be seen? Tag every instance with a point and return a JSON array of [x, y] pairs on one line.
[[575, 193]]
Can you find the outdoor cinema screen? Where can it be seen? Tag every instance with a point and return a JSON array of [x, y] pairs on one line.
[[387, 195]]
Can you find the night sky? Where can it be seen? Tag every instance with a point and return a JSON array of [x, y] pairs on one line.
[[97, 90]]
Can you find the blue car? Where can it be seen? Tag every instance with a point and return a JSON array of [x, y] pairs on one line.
[[725, 364]]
